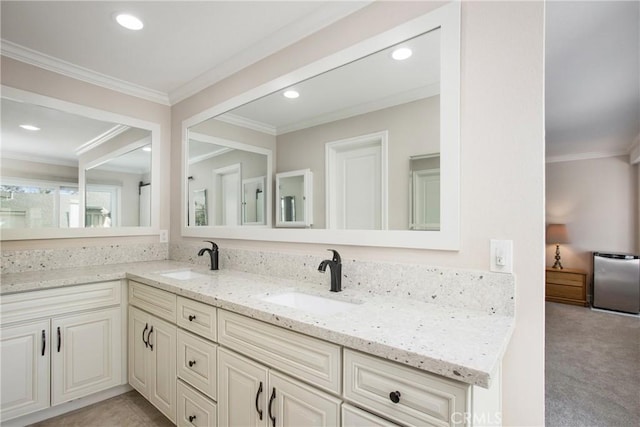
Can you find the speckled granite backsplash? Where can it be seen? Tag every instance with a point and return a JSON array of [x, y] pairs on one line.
[[47, 259], [489, 292]]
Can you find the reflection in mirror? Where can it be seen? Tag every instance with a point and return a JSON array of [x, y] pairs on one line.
[[118, 189], [233, 174], [357, 92], [200, 207], [294, 196], [425, 192], [44, 155], [386, 110], [253, 201]]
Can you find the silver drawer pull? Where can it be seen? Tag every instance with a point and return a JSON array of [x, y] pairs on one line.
[[394, 396]]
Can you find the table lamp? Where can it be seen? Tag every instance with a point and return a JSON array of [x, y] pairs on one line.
[[557, 234]]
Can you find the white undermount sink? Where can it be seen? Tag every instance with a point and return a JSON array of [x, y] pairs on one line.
[[310, 303], [183, 275]]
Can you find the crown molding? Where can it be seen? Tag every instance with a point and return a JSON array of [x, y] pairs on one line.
[[244, 122], [33, 57], [368, 107], [102, 138], [275, 42], [586, 156], [284, 37]]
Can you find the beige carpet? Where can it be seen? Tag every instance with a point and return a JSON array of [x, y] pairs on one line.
[[592, 368]]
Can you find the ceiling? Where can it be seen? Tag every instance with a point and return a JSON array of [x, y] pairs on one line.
[[592, 54], [592, 96], [184, 47]]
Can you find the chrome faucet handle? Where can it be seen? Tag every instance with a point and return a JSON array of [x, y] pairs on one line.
[[214, 247], [336, 256]]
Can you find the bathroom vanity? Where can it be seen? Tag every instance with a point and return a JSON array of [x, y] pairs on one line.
[[216, 348]]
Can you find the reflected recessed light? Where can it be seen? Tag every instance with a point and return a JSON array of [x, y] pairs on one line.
[[129, 21], [291, 94], [29, 127], [401, 54], [146, 148]]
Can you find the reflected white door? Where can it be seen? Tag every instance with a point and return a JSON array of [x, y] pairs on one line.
[[356, 183], [227, 195], [145, 206], [230, 200], [426, 199]]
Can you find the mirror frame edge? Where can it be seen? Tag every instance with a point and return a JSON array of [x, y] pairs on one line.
[[97, 114], [447, 18]]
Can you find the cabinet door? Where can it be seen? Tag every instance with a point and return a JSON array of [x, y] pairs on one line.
[[293, 403], [354, 417], [138, 348], [162, 363], [242, 391], [24, 351], [86, 357]]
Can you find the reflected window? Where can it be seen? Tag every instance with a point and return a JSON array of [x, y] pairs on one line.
[[102, 206], [38, 204]]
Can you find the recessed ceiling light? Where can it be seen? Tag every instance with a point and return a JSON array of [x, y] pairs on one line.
[[291, 94], [129, 21], [146, 148], [30, 127], [401, 53]]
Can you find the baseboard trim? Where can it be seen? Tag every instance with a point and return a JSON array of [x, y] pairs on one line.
[[54, 411]]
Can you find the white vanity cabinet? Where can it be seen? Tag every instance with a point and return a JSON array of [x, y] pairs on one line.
[[152, 346], [251, 394], [254, 393], [197, 364], [354, 417], [25, 368], [411, 397], [58, 345]]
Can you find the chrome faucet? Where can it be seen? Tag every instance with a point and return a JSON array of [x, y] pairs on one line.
[[213, 253], [335, 265]]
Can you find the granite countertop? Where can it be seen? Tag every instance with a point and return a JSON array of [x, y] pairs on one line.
[[465, 345]]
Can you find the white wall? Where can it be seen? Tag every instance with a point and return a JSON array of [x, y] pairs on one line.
[[502, 161], [26, 77], [414, 129], [598, 200]]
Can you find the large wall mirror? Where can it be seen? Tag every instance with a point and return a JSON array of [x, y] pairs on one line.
[[378, 127], [73, 171]]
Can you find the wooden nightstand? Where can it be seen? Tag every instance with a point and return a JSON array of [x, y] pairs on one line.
[[567, 286]]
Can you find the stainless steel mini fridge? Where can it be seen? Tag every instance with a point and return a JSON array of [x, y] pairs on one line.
[[616, 282]]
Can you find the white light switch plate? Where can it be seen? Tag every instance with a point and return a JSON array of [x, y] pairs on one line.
[[164, 236], [501, 256]]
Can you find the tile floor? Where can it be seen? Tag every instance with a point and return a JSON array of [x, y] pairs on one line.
[[127, 410]]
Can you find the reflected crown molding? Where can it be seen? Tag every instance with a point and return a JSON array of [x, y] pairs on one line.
[[244, 122], [100, 139]]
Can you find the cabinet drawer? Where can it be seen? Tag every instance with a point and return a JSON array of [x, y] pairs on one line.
[[197, 317], [424, 399], [157, 302], [312, 360], [52, 302], [564, 278], [354, 417], [194, 409], [197, 362], [562, 291]]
